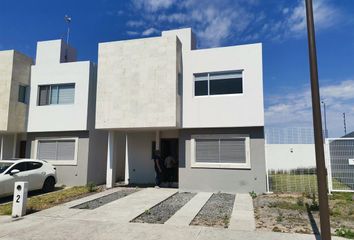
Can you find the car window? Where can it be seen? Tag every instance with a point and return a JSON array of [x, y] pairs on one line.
[[4, 166], [19, 166], [33, 165]]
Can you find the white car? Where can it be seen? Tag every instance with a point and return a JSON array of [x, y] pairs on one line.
[[39, 175]]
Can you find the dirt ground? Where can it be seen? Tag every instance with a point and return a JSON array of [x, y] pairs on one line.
[[298, 213]]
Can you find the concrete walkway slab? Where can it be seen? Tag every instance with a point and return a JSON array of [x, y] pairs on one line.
[[126, 209], [242, 217], [64, 210], [186, 214]]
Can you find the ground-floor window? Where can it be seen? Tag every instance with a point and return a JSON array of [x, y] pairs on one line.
[[58, 151], [220, 151]]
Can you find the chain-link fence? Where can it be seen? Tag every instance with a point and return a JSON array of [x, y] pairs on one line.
[[291, 162], [295, 180], [340, 159]]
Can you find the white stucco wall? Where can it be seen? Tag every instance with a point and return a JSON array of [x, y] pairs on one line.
[[54, 51], [137, 84], [69, 117], [236, 110], [290, 156]]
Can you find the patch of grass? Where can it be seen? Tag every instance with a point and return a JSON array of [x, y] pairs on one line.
[[345, 232], [41, 202], [298, 183], [345, 196], [283, 204]]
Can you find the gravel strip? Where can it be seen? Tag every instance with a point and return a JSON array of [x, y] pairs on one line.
[[164, 210], [98, 202], [216, 212]]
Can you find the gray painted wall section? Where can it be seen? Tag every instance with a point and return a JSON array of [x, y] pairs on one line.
[[69, 175], [97, 160], [226, 180], [91, 158]]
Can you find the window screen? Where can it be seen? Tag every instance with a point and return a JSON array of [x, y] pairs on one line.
[[43, 96], [230, 150], [207, 150], [56, 150], [218, 83]]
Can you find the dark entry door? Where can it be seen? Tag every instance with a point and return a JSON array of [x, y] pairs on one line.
[[22, 153], [169, 147]]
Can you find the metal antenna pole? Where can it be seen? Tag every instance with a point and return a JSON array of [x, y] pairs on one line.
[[317, 123], [68, 34], [68, 21], [345, 124], [325, 119]]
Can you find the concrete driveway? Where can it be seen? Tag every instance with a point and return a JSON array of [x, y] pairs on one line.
[[112, 221]]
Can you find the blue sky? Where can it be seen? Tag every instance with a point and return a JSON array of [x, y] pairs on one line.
[[278, 24]]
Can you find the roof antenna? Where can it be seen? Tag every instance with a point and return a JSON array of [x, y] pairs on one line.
[[68, 21]]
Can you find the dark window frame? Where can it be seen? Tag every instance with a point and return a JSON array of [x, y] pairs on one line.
[[206, 77], [48, 100], [23, 93]]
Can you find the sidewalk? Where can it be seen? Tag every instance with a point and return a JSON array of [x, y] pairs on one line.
[[44, 228], [111, 221]]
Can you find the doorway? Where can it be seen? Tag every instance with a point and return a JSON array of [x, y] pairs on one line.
[[169, 148], [22, 151]]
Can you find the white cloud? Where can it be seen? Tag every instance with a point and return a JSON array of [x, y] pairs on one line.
[[292, 21], [132, 33], [150, 31], [153, 5], [215, 22], [135, 23], [293, 107]]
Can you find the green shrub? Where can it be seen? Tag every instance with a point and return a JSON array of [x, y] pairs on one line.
[[91, 187], [345, 232], [253, 194], [300, 202], [314, 204]]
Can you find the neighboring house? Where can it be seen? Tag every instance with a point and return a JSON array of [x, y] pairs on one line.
[[15, 70], [62, 115], [204, 107]]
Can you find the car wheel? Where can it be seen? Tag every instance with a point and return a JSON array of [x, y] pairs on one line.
[[48, 185]]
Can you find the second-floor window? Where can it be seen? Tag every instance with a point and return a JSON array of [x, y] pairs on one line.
[[218, 83], [56, 94], [23, 94]]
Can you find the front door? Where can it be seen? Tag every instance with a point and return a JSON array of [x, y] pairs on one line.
[[169, 153]]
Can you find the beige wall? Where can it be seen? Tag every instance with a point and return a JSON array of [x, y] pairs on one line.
[[6, 65], [137, 83], [15, 70], [21, 75]]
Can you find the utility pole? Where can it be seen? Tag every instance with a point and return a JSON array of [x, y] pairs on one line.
[[325, 118], [317, 124], [345, 124]]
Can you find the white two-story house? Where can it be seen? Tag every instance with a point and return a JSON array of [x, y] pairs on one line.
[[15, 70], [203, 107], [61, 116]]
